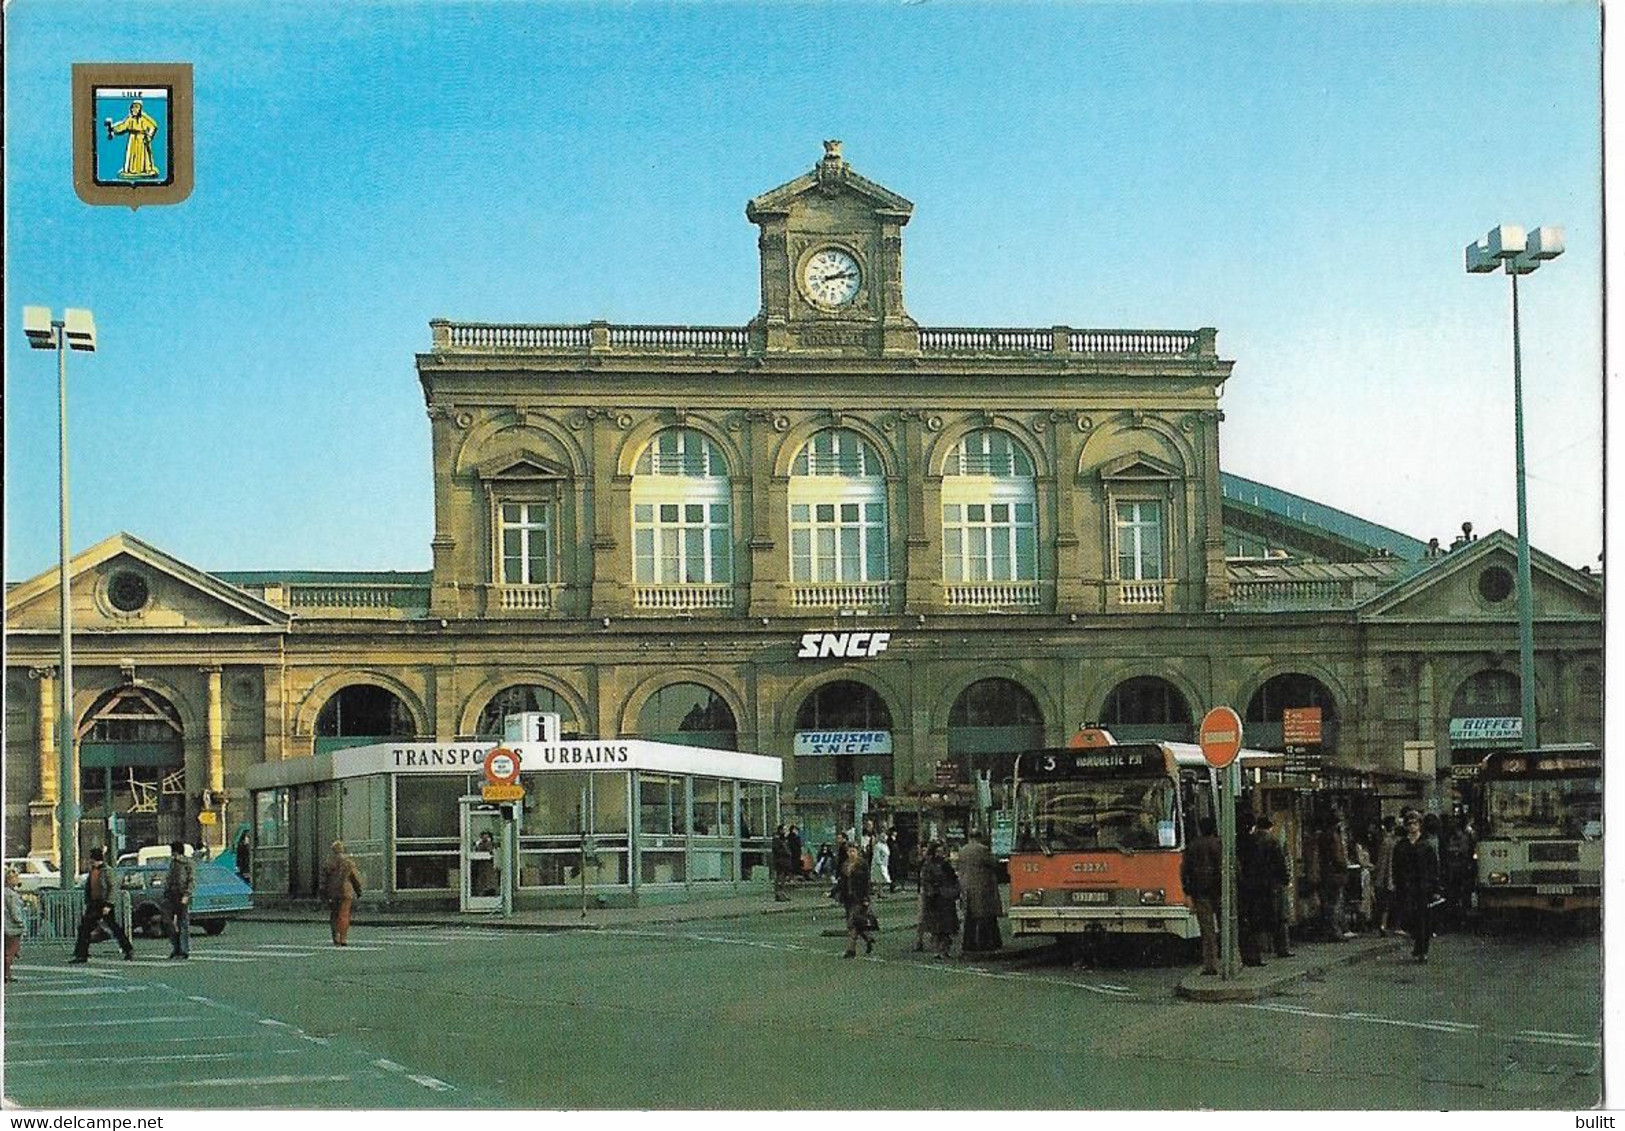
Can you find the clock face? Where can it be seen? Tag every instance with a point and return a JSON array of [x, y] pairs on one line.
[[831, 277]]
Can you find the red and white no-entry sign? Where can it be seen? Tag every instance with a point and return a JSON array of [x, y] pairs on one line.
[[1220, 736], [502, 766]]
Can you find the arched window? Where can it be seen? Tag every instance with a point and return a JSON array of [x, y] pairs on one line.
[[1263, 719], [361, 714], [519, 699], [1492, 693], [989, 509], [688, 714], [844, 705], [1147, 708], [681, 521], [838, 510], [992, 721]]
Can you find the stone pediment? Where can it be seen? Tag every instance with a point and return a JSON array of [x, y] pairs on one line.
[[124, 583], [830, 177], [521, 465], [1477, 582], [1139, 467]]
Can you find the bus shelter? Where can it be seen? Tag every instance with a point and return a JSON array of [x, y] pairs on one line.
[[614, 822]]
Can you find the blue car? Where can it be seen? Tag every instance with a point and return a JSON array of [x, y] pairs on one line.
[[221, 895]]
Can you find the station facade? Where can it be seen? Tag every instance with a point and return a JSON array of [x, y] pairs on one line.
[[891, 555]]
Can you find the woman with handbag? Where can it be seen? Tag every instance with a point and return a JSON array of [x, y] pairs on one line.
[[852, 889]]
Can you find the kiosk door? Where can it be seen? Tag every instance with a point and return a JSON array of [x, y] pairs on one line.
[[487, 877]]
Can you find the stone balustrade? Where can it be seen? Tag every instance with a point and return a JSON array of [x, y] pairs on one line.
[[682, 598], [993, 594], [1152, 594], [869, 595], [359, 596], [604, 337]]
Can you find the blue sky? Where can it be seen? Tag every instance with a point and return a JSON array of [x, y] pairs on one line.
[[1302, 177]]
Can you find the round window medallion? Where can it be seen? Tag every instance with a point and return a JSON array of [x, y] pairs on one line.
[[128, 592], [1495, 585]]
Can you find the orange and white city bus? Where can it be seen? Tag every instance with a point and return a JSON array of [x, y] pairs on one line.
[[1101, 832]]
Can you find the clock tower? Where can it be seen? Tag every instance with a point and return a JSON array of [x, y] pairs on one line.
[[832, 264]]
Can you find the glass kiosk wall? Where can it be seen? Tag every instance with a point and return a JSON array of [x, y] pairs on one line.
[[638, 821]]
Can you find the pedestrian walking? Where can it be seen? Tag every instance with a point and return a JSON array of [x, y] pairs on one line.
[[1382, 876], [180, 885], [841, 843], [244, 852], [1416, 884], [341, 883], [879, 865], [1365, 902], [781, 864], [896, 863], [979, 882], [1200, 875], [852, 885], [798, 867], [939, 899], [15, 922], [1333, 855], [101, 889]]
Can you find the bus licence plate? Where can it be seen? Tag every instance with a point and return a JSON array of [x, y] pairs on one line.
[[1091, 896], [1554, 889]]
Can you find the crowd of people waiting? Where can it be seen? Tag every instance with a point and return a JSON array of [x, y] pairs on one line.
[[859, 868]]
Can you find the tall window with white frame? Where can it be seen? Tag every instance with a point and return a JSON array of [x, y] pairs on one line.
[[838, 511], [525, 533], [1139, 540], [989, 507], [682, 530]]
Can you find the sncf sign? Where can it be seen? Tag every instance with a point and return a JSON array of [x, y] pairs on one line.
[[848, 645]]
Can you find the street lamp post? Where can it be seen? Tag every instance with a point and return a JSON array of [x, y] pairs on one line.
[[76, 329], [1519, 253]]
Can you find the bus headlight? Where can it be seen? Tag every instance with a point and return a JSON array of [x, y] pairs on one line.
[[1499, 878], [1033, 895], [1152, 895]]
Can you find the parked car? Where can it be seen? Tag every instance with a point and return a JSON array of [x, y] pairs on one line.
[[221, 896], [36, 873]]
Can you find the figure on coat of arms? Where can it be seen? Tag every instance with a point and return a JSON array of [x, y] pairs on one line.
[[138, 163]]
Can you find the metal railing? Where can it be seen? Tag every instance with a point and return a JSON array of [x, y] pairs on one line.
[[358, 596]]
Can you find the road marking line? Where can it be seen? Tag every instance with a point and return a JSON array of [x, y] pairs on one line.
[[432, 1084], [100, 1022], [240, 1082], [1432, 1026], [80, 991], [389, 1065], [1563, 1042], [54, 1062], [101, 1043], [218, 958], [1545, 1033]]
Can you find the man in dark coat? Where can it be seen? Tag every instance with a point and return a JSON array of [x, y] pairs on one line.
[[794, 839], [180, 885], [1263, 878], [1416, 884], [1334, 876], [781, 864], [101, 890], [939, 897], [1200, 875]]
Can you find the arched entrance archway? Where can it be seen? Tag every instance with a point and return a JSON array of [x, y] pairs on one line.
[[132, 779], [991, 722], [1147, 708], [520, 699], [361, 714], [688, 714], [1262, 720]]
